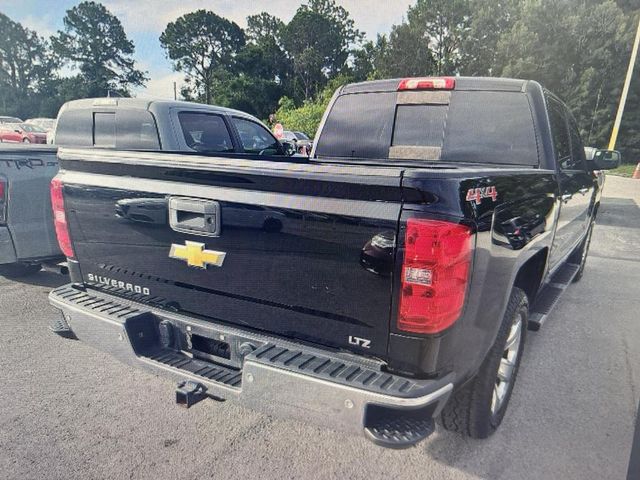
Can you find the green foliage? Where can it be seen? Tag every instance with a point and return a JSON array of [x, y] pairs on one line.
[[25, 68], [307, 117], [318, 40], [578, 49], [201, 43], [94, 40]]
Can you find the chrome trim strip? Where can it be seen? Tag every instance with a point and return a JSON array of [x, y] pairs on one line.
[[335, 206], [197, 162]]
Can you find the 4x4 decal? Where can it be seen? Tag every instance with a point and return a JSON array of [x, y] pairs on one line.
[[475, 195]]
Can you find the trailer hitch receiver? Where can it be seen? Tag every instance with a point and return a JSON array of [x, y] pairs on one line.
[[189, 393]]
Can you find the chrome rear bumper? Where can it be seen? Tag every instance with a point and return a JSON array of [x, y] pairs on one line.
[[277, 377]]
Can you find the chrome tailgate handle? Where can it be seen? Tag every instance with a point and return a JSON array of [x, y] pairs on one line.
[[196, 216]]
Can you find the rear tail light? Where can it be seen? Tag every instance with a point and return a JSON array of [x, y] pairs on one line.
[[60, 218], [435, 274], [3, 200], [427, 83]]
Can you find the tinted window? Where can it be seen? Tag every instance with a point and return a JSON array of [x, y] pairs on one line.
[[420, 125], [559, 133], [75, 127], [490, 127], [254, 137], [359, 125], [104, 129], [205, 132], [136, 130], [477, 126]]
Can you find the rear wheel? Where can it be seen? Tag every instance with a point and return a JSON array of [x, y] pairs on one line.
[[18, 270], [26, 140], [477, 409]]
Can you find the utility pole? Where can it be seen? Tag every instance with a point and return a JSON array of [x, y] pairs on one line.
[[175, 91], [625, 91]]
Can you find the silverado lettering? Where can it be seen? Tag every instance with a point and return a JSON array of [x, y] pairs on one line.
[[99, 279]]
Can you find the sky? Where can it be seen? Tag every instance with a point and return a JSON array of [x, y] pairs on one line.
[[144, 21]]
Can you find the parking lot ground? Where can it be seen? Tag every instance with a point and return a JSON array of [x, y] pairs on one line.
[[68, 411]]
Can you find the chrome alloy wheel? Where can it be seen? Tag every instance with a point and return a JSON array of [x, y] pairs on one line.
[[504, 379]]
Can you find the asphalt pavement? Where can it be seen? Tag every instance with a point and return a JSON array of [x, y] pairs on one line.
[[68, 411]]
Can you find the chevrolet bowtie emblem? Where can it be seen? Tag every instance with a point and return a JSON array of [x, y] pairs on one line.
[[196, 255]]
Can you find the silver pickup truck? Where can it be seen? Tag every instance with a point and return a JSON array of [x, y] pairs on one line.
[[27, 236]]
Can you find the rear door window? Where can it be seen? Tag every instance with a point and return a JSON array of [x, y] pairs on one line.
[[578, 157], [254, 137], [205, 132], [560, 134]]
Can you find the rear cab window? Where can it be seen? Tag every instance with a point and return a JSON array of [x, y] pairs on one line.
[[124, 129], [475, 126]]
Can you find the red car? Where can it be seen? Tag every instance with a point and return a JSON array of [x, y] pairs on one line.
[[22, 133]]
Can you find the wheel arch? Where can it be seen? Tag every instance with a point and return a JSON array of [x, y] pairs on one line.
[[530, 274]]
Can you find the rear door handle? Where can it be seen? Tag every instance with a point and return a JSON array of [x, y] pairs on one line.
[[583, 190], [566, 197], [195, 216]]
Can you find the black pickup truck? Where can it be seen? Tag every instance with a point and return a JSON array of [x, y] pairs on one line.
[[385, 281]]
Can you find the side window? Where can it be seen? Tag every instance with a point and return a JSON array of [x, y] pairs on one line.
[[205, 132], [104, 130], [136, 130], [560, 134], [254, 137], [578, 156]]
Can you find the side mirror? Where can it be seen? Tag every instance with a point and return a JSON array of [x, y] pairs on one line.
[[606, 159], [17, 131], [289, 148]]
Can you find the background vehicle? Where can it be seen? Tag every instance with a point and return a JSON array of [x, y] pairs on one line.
[[21, 133], [10, 120], [46, 124], [415, 248], [300, 140], [27, 236]]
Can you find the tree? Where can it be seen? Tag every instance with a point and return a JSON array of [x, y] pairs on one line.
[[578, 50], [443, 26], [403, 54], [25, 67], [318, 39], [307, 117], [200, 44], [489, 21], [264, 27], [94, 40]]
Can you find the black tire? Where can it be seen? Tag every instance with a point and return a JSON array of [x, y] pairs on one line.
[[18, 270], [26, 140], [581, 254], [469, 410]]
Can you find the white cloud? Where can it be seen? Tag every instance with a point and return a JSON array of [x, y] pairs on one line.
[[161, 86], [41, 24], [371, 16]]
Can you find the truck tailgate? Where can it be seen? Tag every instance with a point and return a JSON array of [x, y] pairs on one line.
[[28, 171], [277, 247]]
